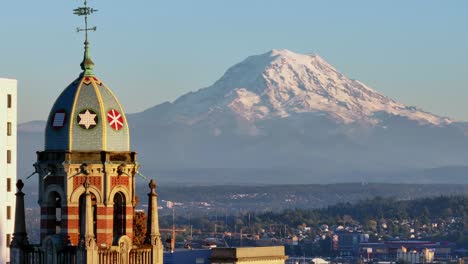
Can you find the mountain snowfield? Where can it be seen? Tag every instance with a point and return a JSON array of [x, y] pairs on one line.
[[281, 83]]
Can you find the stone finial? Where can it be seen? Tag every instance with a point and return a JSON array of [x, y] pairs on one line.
[[19, 185], [152, 185]]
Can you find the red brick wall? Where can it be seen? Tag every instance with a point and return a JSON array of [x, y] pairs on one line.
[[93, 180]]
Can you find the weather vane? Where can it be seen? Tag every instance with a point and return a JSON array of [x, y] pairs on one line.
[[85, 11]]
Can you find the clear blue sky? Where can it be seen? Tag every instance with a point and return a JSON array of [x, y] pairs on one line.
[[150, 51]]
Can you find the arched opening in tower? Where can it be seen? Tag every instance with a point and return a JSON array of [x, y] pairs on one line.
[[82, 208], [119, 215], [55, 204]]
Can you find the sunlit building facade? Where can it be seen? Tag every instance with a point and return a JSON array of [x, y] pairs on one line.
[[8, 116]]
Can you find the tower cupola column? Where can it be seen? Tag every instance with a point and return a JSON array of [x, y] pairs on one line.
[[153, 237], [152, 234], [20, 237], [89, 225]]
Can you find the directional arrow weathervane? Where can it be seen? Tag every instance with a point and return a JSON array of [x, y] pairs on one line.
[[85, 11]]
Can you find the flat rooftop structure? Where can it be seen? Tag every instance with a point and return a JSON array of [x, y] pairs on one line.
[[270, 255]]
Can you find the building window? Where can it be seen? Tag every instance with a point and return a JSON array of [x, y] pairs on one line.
[[8, 240], [8, 184], [8, 212], [8, 128], [9, 101], [8, 156], [120, 209], [56, 201]]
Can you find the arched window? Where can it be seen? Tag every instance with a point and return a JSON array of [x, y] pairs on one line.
[[119, 215], [55, 205], [82, 209]]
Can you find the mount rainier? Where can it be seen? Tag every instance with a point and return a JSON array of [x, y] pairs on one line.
[[281, 83], [283, 116]]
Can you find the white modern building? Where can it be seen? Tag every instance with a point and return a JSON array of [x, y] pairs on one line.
[[8, 115]]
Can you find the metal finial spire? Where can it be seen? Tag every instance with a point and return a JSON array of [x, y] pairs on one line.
[[87, 65]]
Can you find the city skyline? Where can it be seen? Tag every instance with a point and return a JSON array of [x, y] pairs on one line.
[[412, 52]]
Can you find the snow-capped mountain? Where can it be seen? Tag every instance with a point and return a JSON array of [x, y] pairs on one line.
[[281, 83], [287, 110]]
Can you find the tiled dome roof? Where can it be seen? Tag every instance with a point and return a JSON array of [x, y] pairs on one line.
[[87, 116]]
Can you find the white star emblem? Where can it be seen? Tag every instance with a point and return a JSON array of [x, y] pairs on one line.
[[87, 119]]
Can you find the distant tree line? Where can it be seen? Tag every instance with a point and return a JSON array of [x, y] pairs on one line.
[[444, 218]]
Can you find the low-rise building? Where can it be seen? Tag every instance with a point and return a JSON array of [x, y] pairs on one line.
[[388, 250]]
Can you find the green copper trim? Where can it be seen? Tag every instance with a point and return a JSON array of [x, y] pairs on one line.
[[87, 65]]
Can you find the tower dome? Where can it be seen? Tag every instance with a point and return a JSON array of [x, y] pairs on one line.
[[87, 116]]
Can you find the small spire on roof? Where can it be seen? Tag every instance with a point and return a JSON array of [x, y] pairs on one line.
[[87, 65]]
